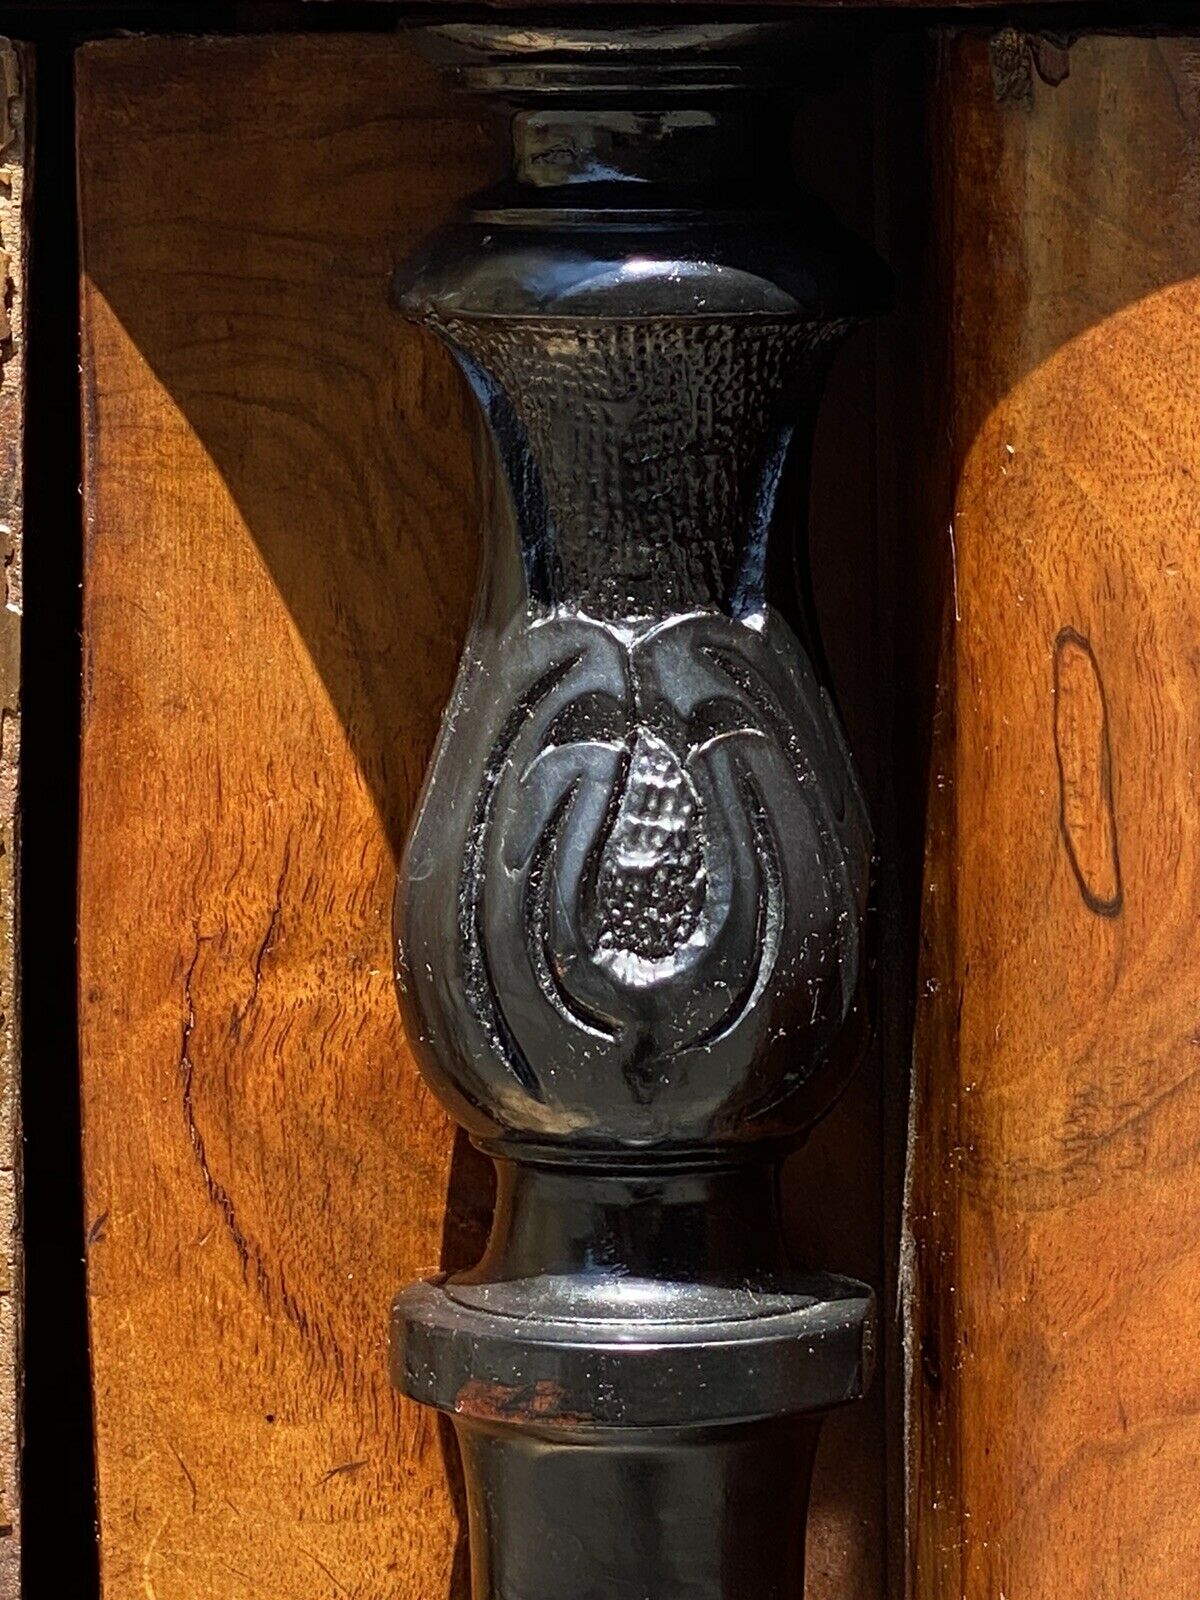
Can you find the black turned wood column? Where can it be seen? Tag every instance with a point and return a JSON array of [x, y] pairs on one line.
[[630, 918]]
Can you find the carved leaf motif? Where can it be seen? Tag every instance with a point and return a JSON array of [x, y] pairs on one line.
[[649, 851]]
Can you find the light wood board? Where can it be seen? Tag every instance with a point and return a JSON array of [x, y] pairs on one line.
[[1055, 1207]]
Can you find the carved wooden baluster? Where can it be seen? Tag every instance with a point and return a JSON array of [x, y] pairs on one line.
[[630, 918]]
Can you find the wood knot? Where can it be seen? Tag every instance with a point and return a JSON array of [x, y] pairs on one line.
[[1087, 817]]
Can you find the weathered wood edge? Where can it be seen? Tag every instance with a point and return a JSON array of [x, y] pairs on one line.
[[15, 67]]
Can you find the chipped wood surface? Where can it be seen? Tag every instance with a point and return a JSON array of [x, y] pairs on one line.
[[14, 195], [1055, 1208], [279, 561]]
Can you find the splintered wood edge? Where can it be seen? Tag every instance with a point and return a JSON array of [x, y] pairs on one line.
[[14, 76]]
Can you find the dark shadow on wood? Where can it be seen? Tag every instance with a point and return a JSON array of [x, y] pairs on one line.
[[470, 1199]]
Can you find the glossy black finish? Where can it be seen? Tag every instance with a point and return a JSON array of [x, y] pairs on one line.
[[639, 1299], [668, 1515], [630, 920]]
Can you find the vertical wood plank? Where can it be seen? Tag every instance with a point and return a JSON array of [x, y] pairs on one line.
[[1055, 1211], [279, 556], [15, 79]]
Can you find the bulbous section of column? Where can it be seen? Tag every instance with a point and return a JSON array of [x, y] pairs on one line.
[[630, 920]]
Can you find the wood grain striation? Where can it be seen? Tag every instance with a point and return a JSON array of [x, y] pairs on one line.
[[1055, 1213]]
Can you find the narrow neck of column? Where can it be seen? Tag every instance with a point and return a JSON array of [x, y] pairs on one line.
[[718, 1225]]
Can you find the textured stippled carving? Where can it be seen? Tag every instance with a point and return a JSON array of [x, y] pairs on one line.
[[631, 914], [675, 421]]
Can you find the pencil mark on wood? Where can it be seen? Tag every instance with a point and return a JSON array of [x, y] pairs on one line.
[[1083, 750], [334, 1580], [190, 1479], [268, 939]]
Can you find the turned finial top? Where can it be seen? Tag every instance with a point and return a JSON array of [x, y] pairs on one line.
[[532, 63]]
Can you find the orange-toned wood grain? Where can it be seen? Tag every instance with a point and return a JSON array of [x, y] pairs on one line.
[[279, 520], [279, 558], [1055, 1206]]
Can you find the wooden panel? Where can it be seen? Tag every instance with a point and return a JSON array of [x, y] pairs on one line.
[[15, 75], [278, 561], [279, 557], [1055, 1206]]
